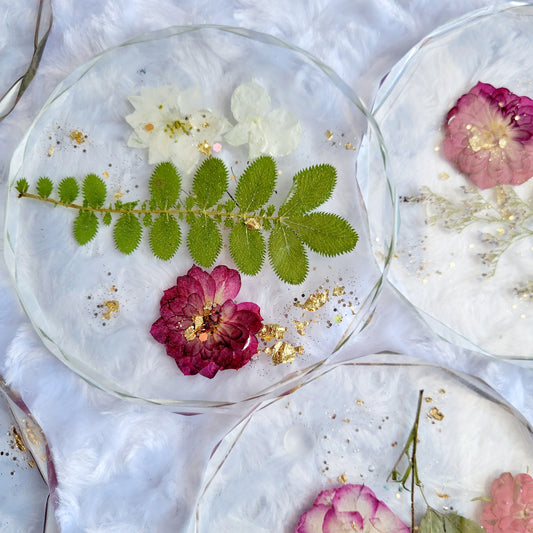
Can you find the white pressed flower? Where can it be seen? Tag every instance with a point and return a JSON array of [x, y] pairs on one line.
[[276, 133], [170, 124]]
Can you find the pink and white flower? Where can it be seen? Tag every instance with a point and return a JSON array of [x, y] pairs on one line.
[[347, 509], [203, 329], [489, 136], [510, 509]]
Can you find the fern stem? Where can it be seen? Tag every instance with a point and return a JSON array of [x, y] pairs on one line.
[[172, 211]]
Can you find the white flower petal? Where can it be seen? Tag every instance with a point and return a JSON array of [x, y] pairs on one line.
[[258, 142], [188, 100], [282, 131], [184, 154], [238, 135], [249, 101]]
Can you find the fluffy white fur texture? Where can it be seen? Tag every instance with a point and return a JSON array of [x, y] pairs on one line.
[[124, 467]]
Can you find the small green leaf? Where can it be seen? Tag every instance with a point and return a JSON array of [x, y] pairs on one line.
[[204, 241], [435, 522], [127, 233], [256, 185], [68, 190], [311, 188], [228, 206], [287, 255], [147, 219], [165, 184], [85, 227], [107, 219], [190, 202], [210, 182], [165, 236], [22, 186], [325, 233], [247, 248], [44, 187], [94, 191]]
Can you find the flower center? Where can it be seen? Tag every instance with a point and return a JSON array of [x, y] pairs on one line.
[[204, 325], [177, 127], [494, 136]]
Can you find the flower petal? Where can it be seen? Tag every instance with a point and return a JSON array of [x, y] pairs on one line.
[[238, 135], [207, 282], [342, 522], [283, 131], [312, 520], [249, 101], [228, 283]]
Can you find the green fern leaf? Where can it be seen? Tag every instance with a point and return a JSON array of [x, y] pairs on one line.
[[210, 182], [165, 184], [127, 233], [44, 187], [247, 248], [94, 191], [68, 190], [256, 185], [287, 255], [311, 188], [147, 219], [22, 185], [190, 202], [165, 236], [107, 219], [204, 241], [85, 227], [325, 233]]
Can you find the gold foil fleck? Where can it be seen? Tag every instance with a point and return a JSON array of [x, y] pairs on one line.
[[435, 413], [31, 464], [112, 307], [282, 352], [106, 174], [329, 135], [118, 195], [429, 399], [349, 146], [339, 290], [205, 124], [31, 433], [190, 333], [113, 288], [253, 223], [204, 148], [343, 478], [18, 440], [299, 350], [442, 391], [315, 301], [271, 331], [360, 402], [300, 326], [77, 135], [444, 176], [51, 150], [346, 420], [441, 494]]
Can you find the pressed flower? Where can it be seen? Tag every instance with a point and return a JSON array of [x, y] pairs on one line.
[[510, 509], [349, 508], [170, 123], [489, 136], [276, 133], [203, 329]]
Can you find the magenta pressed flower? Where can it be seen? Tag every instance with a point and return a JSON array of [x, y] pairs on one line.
[[203, 329], [349, 508], [510, 509], [489, 136]]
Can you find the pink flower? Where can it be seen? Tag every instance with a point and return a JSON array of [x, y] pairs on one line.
[[489, 136], [511, 507], [347, 509], [203, 329]]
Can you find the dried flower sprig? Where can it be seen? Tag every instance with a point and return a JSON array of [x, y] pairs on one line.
[[433, 521], [247, 215]]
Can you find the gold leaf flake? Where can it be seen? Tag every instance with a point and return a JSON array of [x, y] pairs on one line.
[[349, 146], [190, 334], [444, 176], [441, 495], [253, 223], [271, 331], [18, 440], [77, 135], [51, 150], [31, 433], [118, 195], [282, 352], [300, 326], [343, 478], [329, 135], [435, 413], [339, 290], [112, 307], [204, 148], [360, 402], [315, 301]]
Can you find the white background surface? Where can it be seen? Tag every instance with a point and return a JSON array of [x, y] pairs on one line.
[[125, 467]]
